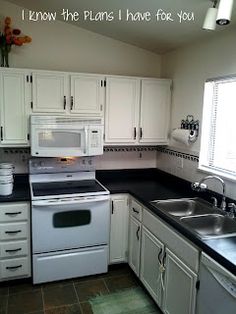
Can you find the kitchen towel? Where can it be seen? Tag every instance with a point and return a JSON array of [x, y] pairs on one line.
[[184, 136]]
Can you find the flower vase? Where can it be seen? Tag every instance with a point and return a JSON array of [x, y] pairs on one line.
[[5, 56]]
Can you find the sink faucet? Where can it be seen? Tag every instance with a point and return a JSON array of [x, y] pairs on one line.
[[200, 186]]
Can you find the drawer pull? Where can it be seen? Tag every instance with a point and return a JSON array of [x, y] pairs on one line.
[[135, 210], [13, 214], [13, 267], [13, 250], [12, 232]]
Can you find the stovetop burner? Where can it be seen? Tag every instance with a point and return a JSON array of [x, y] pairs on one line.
[[66, 187]]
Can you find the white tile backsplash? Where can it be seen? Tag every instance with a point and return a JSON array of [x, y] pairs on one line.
[[129, 160], [17, 156], [126, 160], [109, 160], [190, 172]]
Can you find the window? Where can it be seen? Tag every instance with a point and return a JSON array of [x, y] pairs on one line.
[[218, 140]]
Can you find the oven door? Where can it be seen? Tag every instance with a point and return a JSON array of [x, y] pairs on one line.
[[70, 224], [58, 141]]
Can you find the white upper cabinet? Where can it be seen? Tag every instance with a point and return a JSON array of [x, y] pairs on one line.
[[14, 102], [122, 103], [87, 94], [154, 111], [136, 110], [135, 117], [49, 92]]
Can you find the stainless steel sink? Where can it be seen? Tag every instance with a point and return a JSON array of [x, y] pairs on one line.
[[198, 216], [211, 225], [184, 207]]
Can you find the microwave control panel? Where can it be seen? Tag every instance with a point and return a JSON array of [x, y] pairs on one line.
[[95, 141]]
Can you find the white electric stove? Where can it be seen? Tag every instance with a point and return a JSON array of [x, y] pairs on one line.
[[70, 219]]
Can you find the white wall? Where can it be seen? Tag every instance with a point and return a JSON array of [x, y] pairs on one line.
[[19, 157], [189, 67], [61, 46]]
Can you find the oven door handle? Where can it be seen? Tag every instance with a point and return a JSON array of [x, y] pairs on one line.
[[43, 203]]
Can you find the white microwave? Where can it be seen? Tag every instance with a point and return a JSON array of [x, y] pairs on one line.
[[55, 136]]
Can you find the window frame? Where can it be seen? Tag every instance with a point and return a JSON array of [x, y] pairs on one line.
[[206, 130]]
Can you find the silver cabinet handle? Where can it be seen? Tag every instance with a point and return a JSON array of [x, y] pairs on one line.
[[137, 233], [13, 267], [13, 214], [12, 232], [141, 133], [135, 133], [159, 256], [135, 210], [71, 102], [13, 250], [64, 102]]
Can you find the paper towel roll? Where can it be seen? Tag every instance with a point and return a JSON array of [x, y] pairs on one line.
[[184, 136]]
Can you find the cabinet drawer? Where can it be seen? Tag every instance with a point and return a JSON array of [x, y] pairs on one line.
[[14, 212], [13, 231], [136, 210], [175, 242], [14, 249], [14, 268]]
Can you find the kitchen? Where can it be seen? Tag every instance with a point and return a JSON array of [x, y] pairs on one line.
[[101, 85]]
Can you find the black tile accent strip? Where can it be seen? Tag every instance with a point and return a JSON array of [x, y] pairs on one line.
[[178, 154], [151, 148], [129, 148]]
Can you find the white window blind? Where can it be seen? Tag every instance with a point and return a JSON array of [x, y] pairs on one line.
[[218, 140]]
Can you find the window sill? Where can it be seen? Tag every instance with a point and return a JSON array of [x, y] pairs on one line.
[[222, 174]]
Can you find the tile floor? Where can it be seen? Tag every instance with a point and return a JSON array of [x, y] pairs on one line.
[[64, 297]]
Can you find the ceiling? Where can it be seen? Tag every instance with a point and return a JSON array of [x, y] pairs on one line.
[[156, 36]]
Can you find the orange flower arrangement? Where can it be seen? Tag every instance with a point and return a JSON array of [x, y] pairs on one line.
[[9, 37]]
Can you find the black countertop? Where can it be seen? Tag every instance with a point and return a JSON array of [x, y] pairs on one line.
[[21, 190], [150, 184], [147, 185]]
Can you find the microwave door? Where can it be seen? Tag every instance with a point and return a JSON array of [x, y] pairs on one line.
[[59, 142]]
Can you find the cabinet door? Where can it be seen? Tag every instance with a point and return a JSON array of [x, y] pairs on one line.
[[122, 106], [119, 229], [134, 244], [49, 92], [155, 111], [14, 98], [87, 94], [151, 255], [180, 287]]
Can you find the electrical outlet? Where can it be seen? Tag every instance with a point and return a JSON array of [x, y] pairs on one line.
[[180, 163]]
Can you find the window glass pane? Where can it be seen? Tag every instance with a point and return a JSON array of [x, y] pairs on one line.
[[225, 135], [72, 218], [218, 138], [59, 139]]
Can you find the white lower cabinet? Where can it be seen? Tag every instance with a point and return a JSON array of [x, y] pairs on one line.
[[15, 256], [180, 286], [166, 262], [134, 244], [150, 273], [168, 278], [119, 229]]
